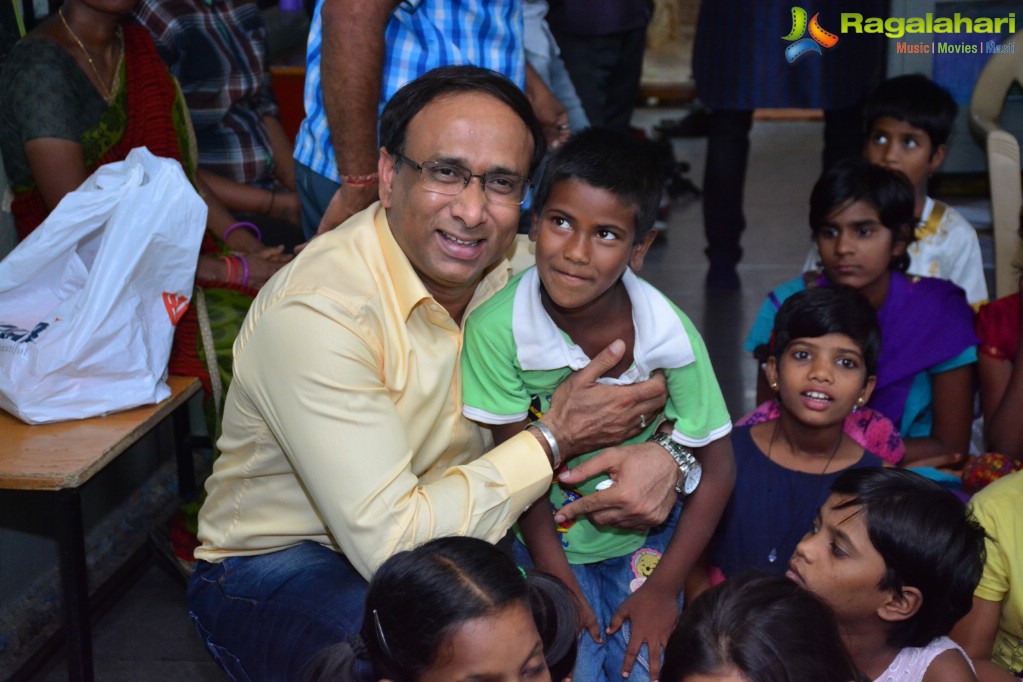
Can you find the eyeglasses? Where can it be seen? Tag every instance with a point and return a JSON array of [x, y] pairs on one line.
[[447, 178]]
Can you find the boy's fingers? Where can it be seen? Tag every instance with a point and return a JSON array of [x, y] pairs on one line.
[[593, 627], [631, 652]]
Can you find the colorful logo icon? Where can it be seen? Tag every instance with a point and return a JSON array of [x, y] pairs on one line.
[[818, 36], [176, 305]]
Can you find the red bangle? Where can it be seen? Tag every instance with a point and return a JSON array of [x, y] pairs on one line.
[[360, 180]]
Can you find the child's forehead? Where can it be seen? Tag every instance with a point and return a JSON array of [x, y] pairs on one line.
[[574, 186], [900, 125], [836, 341], [838, 511], [855, 209]]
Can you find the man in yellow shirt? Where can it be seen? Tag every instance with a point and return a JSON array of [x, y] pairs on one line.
[[343, 440]]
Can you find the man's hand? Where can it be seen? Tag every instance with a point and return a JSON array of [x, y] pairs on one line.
[[346, 202], [643, 493], [548, 109], [586, 416]]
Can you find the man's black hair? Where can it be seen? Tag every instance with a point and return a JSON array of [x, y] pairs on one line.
[[455, 80]]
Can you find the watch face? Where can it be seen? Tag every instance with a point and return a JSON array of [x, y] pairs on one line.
[[692, 479]]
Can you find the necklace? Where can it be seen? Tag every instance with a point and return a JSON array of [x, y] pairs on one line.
[[108, 93], [772, 556]]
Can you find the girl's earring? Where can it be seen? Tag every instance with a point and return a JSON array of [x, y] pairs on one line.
[[858, 405], [774, 386]]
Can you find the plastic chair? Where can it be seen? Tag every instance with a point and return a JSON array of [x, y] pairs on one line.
[[1003, 161]]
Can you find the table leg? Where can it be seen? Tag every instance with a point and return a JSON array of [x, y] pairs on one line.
[[74, 580], [183, 450]]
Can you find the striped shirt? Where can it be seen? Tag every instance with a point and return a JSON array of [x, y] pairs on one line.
[[217, 51], [421, 35]]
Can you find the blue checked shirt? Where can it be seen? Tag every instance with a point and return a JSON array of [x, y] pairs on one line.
[[422, 35]]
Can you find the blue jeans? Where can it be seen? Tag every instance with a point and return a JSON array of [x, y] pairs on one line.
[[265, 617], [314, 193], [606, 584]]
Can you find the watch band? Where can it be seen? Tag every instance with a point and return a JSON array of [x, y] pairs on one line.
[[552, 442], [681, 454]]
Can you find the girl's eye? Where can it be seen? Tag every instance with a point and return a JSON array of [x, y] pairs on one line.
[[535, 670], [828, 233], [837, 551], [910, 144], [848, 363], [880, 139], [800, 355], [864, 232]]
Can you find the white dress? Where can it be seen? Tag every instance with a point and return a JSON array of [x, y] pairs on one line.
[[912, 662]]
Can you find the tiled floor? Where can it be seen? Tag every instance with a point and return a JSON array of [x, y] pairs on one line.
[[147, 635]]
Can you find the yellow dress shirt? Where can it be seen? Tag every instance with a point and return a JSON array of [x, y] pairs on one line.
[[343, 423]]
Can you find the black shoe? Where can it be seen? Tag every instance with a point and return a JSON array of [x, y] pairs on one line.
[[721, 275], [694, 124]]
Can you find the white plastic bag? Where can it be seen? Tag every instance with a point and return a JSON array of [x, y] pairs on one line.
[[89, 301]]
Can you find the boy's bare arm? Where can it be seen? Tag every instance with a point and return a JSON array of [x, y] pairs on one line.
[[702, 511], [537, 528]]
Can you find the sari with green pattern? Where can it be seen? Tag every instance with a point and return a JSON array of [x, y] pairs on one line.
[[148, 110]]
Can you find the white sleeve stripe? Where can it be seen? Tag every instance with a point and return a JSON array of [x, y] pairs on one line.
[[690, 442], [484, 417]]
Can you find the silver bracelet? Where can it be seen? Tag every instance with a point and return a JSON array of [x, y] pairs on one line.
[[552, 443]]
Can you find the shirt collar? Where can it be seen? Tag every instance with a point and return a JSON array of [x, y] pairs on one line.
[[410, 290], [661, 339]]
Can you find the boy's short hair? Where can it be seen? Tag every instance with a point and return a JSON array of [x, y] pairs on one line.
[[918, 101], [856, 179], [816, 312], [624, 165], [928, 540]]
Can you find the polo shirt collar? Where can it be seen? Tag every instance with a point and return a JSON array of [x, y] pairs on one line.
[[409, 290], [661, 340]]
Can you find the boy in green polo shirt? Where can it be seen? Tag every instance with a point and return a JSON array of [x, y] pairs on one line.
[[592, 224]]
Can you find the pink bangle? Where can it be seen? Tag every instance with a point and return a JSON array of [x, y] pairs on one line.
[[245, 226], [229, 264], [245, 269]]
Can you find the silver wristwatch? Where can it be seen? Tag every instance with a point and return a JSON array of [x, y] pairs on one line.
[[690, 468]]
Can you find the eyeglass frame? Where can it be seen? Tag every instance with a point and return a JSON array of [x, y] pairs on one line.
[[420, 167]]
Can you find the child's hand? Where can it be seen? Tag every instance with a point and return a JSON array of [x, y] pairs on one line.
[[588, 620], [652, 615]]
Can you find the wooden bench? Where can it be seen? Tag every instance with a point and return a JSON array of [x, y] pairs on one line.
[[58, 459]]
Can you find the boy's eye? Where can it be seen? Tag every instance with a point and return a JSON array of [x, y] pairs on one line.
[[559, 221], [836, 550], [879, 138], [827, 232], [607, 235], [910, 143]]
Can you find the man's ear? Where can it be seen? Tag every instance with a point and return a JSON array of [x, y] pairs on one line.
[[901, 606], [385, 171], [639, 250]]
